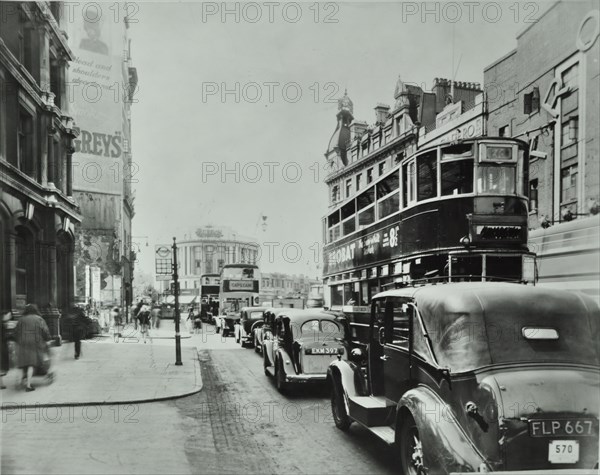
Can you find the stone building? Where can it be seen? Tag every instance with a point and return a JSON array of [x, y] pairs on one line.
[[206, 250], [277, 285], [103, 81], [546, 91], [38, 212]]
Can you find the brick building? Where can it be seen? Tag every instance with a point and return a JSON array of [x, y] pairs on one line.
[[38, 212], [547, 91]]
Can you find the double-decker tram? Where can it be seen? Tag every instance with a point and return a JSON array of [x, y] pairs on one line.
[[239, 287], [454, 211]]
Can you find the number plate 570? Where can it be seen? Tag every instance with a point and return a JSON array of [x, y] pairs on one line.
[[563, 451]]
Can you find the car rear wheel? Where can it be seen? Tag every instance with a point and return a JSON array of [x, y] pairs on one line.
[[338, 408], [411, 449]]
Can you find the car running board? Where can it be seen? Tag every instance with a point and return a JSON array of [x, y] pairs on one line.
[[270, 370], [385, 433], [371, 411]]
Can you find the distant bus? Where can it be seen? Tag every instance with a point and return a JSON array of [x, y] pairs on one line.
[[238, 288], [210, 286]]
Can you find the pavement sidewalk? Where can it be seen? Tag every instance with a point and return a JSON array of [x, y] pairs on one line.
[[108, 373]]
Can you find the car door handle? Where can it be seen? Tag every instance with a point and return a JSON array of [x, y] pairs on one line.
[[384, 357]]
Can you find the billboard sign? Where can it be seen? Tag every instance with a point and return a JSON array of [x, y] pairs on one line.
[[95, 93]]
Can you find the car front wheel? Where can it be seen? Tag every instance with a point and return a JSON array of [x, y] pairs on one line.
[[256, 345], [338, 408], [411, 449], [280, 378]]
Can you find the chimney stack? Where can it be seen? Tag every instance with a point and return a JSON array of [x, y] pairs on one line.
[[382, 112]]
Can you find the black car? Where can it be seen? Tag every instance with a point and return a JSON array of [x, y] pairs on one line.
[[250, 319]]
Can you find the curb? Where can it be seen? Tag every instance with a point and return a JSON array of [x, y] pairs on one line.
[[197, 373]]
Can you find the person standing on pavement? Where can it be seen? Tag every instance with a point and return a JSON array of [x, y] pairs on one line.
[[154, 316], [32, 335], [115, 315], [144, 318], [78, 329], [4, 358]]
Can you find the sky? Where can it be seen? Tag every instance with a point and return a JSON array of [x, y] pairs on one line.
[[235, 110]]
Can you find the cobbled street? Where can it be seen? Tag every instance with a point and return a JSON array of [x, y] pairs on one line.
[[238, 423]]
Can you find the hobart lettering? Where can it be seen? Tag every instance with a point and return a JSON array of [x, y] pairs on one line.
[[342, 254], [99, 144]]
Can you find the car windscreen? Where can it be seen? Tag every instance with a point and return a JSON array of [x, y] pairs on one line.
[[499, 330], [317, 330], [255, 315]]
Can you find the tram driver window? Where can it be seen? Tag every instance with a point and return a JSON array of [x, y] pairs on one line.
[[496, 179]]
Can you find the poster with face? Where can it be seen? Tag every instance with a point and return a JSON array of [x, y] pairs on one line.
[[96, 97]]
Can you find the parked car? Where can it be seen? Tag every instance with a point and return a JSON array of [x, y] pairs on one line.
[[470, 377], [302, 345], [264, 329], [250, 318]]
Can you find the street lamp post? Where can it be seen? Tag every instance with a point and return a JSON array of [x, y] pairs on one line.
[[176, 294]]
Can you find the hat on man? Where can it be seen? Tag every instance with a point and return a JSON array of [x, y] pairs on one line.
[[31, 309]]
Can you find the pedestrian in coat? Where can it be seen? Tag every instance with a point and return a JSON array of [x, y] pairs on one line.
[[32, 335], [79, 326], [6, 316]]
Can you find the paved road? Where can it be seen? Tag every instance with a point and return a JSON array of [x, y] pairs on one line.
[[238, 423]]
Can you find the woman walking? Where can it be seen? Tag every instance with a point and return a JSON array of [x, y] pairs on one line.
[[6, 316], [32, 335], [144, 318]]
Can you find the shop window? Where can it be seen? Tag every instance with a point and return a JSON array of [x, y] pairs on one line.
[[382, 168], [335, 194], [366, 217], [348, 187], [369, 175], [427, 176], [358, 181]]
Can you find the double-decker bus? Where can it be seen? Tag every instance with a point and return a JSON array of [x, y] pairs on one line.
[[210, 286], [454, 211], [238, 288]]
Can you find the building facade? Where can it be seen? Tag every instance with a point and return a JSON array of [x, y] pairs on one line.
[[277, 285], [546, 91], [103, 82], [206, 252], [38, 210]]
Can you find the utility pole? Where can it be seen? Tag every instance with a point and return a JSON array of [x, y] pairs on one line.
[[176, 294]]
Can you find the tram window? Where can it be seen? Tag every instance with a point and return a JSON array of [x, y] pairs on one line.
[[349, 226], [388, 184], [427, 176], [502, 268], [408, 175], [366, 198], [366, 217], [457, 177], [334, 218], [457, 151], [348, 210], [337, 295], [389, 205], [467, 268], [496, 179], [334, 233]]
